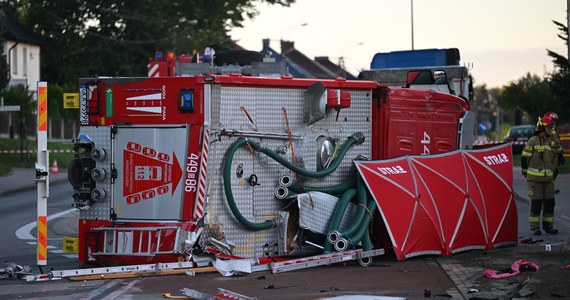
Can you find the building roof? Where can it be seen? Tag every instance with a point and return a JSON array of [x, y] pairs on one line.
[[14, 31], [303, 63], [325, 62], [300, 66]]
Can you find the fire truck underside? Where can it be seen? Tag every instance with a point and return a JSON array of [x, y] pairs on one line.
[[268, 172]]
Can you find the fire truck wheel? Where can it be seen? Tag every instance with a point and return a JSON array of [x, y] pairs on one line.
[[237, 57]]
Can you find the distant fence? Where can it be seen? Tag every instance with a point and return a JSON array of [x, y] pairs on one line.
[[58, 129], [35, 151]]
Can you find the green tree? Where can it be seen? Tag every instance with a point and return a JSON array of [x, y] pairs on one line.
[[559, 80], [20, 95], [531, 94], [55, 101], [116, 37]]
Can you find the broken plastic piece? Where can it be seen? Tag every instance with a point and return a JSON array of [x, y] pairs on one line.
[[515, 267]]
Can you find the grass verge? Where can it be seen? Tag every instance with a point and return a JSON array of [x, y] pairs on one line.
[[28, 160]]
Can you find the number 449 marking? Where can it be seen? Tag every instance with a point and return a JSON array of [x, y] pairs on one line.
[[426, 141]]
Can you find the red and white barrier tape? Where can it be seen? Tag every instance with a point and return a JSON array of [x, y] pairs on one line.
[[35, 151], [476, 143]]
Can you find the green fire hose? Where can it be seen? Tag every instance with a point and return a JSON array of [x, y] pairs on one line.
[[356, 138]]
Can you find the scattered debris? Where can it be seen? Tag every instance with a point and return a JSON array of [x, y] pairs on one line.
[[524, 294], [531, 241], [169, 296], [555, 295], [515, 270], [13, 270], [222, 294]]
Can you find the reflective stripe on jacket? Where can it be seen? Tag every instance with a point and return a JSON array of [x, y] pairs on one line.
[[541, 158]]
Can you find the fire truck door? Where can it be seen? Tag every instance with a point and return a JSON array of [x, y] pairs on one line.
[[147, 160]]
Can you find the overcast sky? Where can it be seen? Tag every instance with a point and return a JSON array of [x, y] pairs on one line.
[[501, 39]]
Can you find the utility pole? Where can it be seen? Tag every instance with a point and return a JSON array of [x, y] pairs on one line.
[[568, 28]]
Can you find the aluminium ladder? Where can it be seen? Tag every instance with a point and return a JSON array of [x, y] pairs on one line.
[[321, 260], [120, 240]]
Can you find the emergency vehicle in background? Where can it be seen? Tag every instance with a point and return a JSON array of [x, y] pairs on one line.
[[437, 69], [187, 168], [220, 62]]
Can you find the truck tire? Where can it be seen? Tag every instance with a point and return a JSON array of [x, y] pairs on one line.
[[237, 57]]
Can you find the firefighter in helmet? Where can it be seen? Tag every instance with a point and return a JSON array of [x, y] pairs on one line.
[[538, 162], [557, 144]]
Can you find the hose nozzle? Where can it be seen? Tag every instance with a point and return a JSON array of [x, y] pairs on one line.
[[359, 136]]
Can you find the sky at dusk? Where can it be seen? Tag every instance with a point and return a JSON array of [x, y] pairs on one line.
[[500, 40]]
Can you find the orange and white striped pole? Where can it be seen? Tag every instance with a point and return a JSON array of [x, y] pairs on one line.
[[42, 174]]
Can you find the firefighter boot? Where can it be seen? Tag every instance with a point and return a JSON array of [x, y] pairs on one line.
[[534, 216], [548, 217]]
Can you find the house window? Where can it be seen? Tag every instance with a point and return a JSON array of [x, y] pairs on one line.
[[25, 66], [15, 61]]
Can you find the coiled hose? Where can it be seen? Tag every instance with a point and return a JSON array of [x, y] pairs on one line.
[[357, 231], [356, 138], [333, 190], [361, 210], [337, 216], [362, 231], [229, 194]]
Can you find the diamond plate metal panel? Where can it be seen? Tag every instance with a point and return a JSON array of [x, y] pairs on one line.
[[101, 136], [316, 210], [266, 108]]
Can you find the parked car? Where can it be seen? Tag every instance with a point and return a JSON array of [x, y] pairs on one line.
[[519, 135]]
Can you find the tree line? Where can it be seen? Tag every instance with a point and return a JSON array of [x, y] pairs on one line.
[[116, 37]]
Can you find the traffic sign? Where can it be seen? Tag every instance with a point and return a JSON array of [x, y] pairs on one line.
[[9, 108]]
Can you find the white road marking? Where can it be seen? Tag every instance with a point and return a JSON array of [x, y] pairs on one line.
[[25, 232]]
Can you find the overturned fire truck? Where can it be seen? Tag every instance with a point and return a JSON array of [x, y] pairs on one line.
[[187, 168]]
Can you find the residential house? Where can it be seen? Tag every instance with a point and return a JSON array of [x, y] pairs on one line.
[[301, 66], [22, 50]]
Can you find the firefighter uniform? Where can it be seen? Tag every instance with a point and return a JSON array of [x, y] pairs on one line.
[[539, 162]]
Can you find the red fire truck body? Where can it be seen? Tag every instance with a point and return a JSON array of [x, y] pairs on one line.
[[184, 168]]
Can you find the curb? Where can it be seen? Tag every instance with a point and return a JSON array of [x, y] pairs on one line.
[[30, 187]]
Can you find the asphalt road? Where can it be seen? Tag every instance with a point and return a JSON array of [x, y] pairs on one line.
[[412, 279], [18, 228]]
